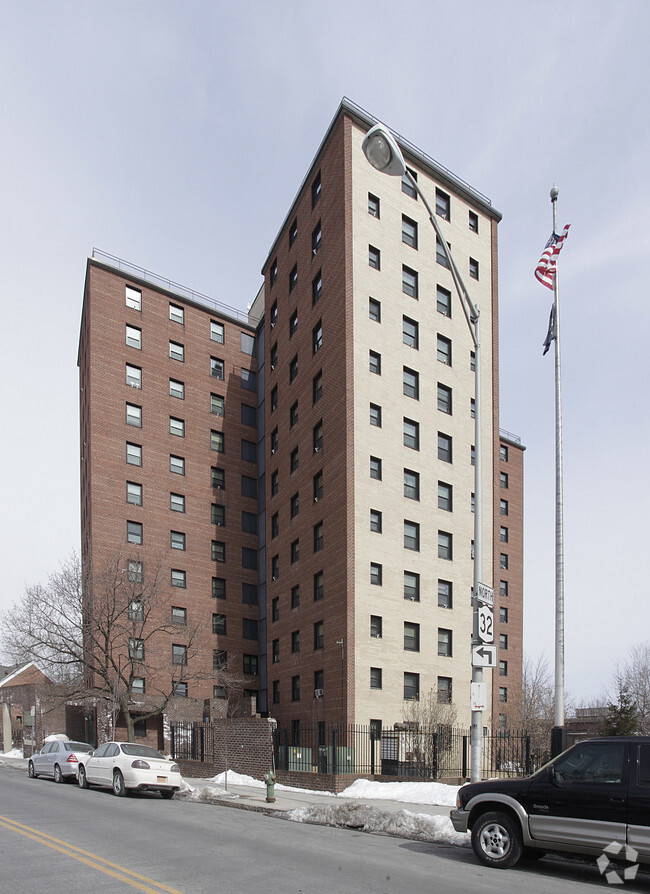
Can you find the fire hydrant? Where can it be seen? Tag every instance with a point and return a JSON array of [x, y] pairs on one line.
[[269, 778]]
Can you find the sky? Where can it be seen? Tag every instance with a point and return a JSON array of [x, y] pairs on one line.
[[175, 136]]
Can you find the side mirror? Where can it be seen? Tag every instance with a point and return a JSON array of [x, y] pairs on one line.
[[553, 777]]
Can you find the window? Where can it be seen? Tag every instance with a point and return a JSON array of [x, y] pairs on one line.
[[374, 310], [179, 615], [293, 368], [316, 238], [443, 301], [445, 496], [409, 231], [134, 532], [217, 368], [136, 611], [444, 642], [176, 427], [411, 586], [411, 383], [373, 205], [445, 545], [444, 398], [503, 534], [444, 447], [293, 231], [177, 540], [411, 434], [317, 337], [218, 405], [274, 398], [374, 257], [217, 441], [276, 692], [218, 588], [503, 693], [176, 351], [275, 608], [216, 332], [503, 453], [411, 637], [250, 629], [375, 467], [376, 626], [472, 360], [218, 478], [249, 522], [134, 415], [176, 314], [318, 486], [218, 551], [248, 379], [293, 278], [176, 389], [177, 502], [503, 588], [134, 337], [503, 561], [411, 687], [134, 570], [274, 483], [248, 415], [445, 599], [294, 505], [316, 288], [247, 343], [219, 661], [375, 521], [317, 387], [473, 268], [295, 551], [133, 298], [375, 415], [473, 221], [319, 586], [136, 649], [133, 454], [407, 186], [275, 567], [444, 690], [411, 535], [441, 255], [133, 376], [138, 685], [503, 641], [295, 596], [444, 350], [318, 437], [375, 678], [473, 455], [503, 615], [409, 282], [177, 464], [376, 574], [410, 332], [316, 189], [472, 408], [293, 416], [503, 479], [134, 493], [275, 526], [295, 688], [295, 642], [443, 204], [319, 636], [219, 624], [179, 655], [250, 665], [318, 536], [374, 363], [503, 668]]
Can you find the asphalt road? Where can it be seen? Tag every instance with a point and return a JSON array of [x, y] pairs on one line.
[[58, 839]]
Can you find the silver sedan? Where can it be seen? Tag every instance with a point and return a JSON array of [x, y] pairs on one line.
[[58, 759]]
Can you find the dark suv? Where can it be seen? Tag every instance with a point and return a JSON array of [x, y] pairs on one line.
[[590, 796]]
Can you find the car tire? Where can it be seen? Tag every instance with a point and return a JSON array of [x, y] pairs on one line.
[[58, 775], [82, 779], [496, 840], [30, 771], [119, 788], [167, 794]]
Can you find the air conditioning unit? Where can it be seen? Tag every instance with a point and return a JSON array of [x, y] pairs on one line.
[[272, 450], [316, 449], [318, 693], [376, 635], [315, 499], [274, 577]]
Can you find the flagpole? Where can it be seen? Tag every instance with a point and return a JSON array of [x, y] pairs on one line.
[[558, 739]]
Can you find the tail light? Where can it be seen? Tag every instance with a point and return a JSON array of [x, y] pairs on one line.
[[73, 759], [174, 768], [140, 765]]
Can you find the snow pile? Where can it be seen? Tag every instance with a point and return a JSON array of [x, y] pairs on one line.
[[13, 754], [60, 736], [236, 779], [365, 818], [205, 794], [410, 792]]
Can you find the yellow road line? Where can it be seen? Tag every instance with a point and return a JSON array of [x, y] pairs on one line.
[[92, 860]]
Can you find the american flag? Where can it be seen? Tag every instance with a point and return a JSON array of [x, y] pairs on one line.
[[545, 270]]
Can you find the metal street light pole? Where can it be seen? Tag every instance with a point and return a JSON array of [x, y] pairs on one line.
[[383, 153]]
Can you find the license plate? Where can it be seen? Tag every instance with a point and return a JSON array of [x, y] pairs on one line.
[[161, 779]]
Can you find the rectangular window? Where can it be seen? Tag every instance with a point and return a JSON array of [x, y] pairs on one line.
[[410, 333], [133, 454], [248, 379], [407, 186], [411, 484], [217, 368], [133, 376], [219, 625], [374, 257], [134, 493], [411, 535], [218, 478], [443, 301], [316, 288], [318, 486], [375, 467], [503, 615], [411, 383], [317, 337], [250, 629], [473, 221], [503, 561], [133, 298], [411, 687], [319, 586], [376, 624], [318, 536], [134, 337], [374, 310], [374, 362], [375, 521], [441, 255], [411, 434], [375, 415], [134, 571], [503, 641], [177, 502], [136, 649], [177, 540], [248, 415], [295, 596], [444, 643], [295, 688], [293, 368], [218, 551], [176, 389], [219, 661], [294, 505], [444, 398], [249, 523], [503, 588], [316, 189], [503, 479], [134, 532], [138, 685], [177, 464], [178, 578], [376, 574], [176, 314], [134, 415], [445, 545], [250, 665], [375, 678], [445, 496], [217, 441], [373, 205], [443, 204], [444, 447], [176, 427], [319, 635], [295, 551], [317, 387], [503, 453], [293, 232], [411, 637], [179, 655], [218, 588], [216, 332], [294, 460], [318, 436], [411, 586], [409, 231], [503, 534], [445, 593], [444, 690], [293, 278], [295, 642], [316, 239], [218, 405], [409, 282], [176, 351], [444, 350], [473, 268]]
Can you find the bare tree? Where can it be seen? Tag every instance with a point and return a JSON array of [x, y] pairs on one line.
[[428, 733], [532, 709], [635, 674], [231, 683], [102, 634]]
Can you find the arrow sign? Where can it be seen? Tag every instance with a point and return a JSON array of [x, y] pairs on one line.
[[484, 656]]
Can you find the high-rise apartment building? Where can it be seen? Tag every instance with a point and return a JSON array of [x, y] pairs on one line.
[[304, 476]]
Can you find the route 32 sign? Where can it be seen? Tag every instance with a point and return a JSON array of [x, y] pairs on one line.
[[485, 627]]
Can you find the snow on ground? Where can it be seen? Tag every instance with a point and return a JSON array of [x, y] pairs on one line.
[[367, 818], [13, 754], [410, 792]]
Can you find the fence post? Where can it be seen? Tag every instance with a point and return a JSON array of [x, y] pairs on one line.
[[464, 773], [334, 751], [528, 767], [435, 755], [172, 739]]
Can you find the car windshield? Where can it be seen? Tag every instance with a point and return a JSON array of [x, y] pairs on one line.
[[141, 751], [78, 746]]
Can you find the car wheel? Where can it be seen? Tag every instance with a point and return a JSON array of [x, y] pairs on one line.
[[119, 788], [82, 779], [167, 794], [496, 840], [30, 771], [58, 775]]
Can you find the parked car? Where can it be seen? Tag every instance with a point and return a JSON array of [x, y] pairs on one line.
[[58, 759], [127, 766], [593, 795]]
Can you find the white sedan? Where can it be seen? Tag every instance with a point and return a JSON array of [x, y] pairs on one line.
[[125, 766]]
